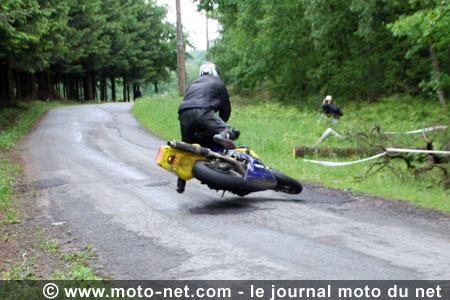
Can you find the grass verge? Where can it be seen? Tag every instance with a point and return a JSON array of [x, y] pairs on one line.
[[272, 129], [14, 123], [28, 251], [73, 265]]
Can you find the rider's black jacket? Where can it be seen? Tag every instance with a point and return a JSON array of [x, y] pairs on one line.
[[208, 92], [331, 109]]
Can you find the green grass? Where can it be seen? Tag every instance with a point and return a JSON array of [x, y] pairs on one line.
[[79, 266], [159, 114], [45, 243], [77, 262], [272, 129], [15, 123], [20, 271]]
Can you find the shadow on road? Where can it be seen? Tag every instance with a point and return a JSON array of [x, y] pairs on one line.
[[236, 205]]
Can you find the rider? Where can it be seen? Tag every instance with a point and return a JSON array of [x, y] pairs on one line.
[[330, 108], [197, 113]]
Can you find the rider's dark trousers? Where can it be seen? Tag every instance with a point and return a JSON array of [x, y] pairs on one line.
[[199, 125]]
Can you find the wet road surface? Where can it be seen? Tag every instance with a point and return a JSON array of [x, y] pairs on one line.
[[95, 167]]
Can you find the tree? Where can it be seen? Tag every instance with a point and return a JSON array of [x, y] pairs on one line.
[[22, 26], [89, 46], [154, 51], [117, 14], [54, 47], [428, 27], [358, 54], [298, 47]]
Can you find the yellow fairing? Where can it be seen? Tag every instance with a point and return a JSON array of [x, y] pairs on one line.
[[249, 151], [177, 161]]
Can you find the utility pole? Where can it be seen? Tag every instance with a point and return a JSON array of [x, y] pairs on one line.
[[207, 33], [180, 53]]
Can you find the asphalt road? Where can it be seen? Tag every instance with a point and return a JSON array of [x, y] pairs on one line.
[[95, 167]]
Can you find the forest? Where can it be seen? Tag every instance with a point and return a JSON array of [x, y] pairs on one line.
[[82, 49], [358, 49]]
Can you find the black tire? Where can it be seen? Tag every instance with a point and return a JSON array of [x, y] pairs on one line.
[[217, 178], [286, 184]]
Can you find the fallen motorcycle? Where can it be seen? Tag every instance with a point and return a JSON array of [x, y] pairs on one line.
[[239, 171]]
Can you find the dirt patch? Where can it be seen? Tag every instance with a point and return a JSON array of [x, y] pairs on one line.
[[20, 253], [34, 248]]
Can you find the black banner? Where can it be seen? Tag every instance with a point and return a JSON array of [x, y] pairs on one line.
[[228, 289]]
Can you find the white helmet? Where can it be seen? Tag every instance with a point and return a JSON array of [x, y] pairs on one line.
[[208, 68], [329, 98]]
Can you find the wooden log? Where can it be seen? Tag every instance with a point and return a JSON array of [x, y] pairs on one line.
[[301, 151]]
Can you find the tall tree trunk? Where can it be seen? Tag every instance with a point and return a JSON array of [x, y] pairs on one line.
[[69, 86], [18, 85], [26, 85], [73, 86], [34, 95], [80, 92], [23, 87], [39, 78], [49, 85], [439, 91], [76, 94], [113, 88], [81, 89], [10, 83], [104, 89], [46, 89], [85, 88], [94, 86], [65, 85], [124, 89], [3, 86], [128, 92], [156, 86], [136, 91], [77, 89], [55, 89], [358, 95], [88, 91]]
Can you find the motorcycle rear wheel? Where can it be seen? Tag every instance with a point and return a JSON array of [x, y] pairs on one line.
[[286, 184], [218, 176]]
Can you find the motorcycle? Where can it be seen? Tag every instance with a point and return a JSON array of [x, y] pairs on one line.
[[239, 171]]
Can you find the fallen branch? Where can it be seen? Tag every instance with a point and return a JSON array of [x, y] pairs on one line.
[[414, 170], [436, 160]]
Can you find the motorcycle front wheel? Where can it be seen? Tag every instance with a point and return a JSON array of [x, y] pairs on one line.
[[219, 175], [286, 184]]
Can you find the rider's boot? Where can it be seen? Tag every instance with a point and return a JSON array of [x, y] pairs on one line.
[[181, 184], [226, 137]]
